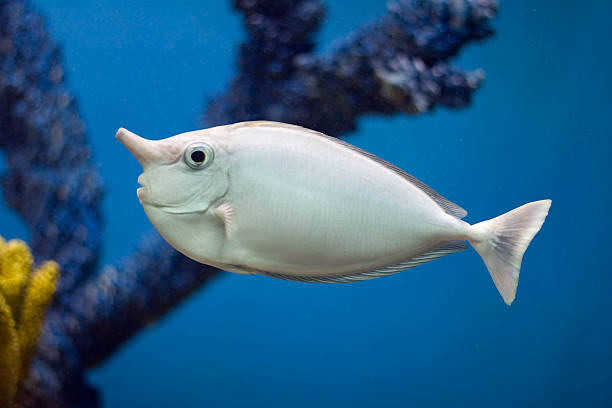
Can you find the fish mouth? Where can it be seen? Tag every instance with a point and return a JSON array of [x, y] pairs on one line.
[[141, 181], [140, 192]]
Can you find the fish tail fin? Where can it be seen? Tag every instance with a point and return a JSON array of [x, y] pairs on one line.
[[502, 241]]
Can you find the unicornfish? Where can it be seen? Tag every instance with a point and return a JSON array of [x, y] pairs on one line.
[[281, 200]]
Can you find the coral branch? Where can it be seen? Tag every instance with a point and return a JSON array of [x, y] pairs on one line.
[[51, 179], [37, 297], [24, 297], [9, 355], [278, 32], [127, 297], [16, 258], [395, 65]]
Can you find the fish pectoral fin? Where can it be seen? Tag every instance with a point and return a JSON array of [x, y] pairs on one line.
[[225, 212]]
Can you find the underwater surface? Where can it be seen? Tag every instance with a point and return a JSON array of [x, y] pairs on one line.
[[438, 335]]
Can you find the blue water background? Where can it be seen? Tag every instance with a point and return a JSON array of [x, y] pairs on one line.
[[438, 335]]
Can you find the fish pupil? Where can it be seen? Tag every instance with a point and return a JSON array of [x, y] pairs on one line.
[[198, 156]]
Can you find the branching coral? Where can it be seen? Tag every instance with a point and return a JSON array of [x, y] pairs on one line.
[[52, 181], [24, 297], [398, 64]]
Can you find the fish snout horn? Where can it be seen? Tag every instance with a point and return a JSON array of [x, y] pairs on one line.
[[146, 151]]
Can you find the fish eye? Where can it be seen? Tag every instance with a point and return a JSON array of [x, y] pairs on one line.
[[198, 155]]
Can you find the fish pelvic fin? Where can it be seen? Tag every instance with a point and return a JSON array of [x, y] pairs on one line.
[[502, 241]]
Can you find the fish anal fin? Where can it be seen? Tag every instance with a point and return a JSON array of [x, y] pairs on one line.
[[445, 248], [226, 212]]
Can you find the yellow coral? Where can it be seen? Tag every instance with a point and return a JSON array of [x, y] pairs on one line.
[[10, 360], [15, 266], [38, 295], [24, 296]]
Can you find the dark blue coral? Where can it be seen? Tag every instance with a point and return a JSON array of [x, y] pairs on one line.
[[399, 63], [51, 179]]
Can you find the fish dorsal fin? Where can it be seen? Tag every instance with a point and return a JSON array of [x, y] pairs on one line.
[[448, 206], [439, 251]]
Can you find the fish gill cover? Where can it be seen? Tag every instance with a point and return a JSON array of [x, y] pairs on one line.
[[398, 63]]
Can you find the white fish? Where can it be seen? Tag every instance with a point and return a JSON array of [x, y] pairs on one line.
[[281, 200]]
